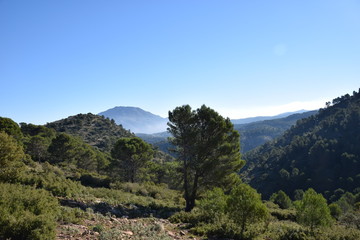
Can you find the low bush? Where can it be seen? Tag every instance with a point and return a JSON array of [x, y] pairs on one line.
[[27, 213], [71, 215]]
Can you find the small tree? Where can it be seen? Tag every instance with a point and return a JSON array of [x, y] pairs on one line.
[[213, 204], [281, 199], [244, 206], [131, 155], [313, 211]]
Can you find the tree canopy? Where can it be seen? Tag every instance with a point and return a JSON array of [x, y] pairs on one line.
[[11, 156], [312, 210], [208, 148], [131, 154]]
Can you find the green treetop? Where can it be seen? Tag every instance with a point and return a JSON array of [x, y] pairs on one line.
[[130, 156], [208, 148]]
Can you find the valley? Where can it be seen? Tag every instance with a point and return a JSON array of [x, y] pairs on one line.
[[98, 180]]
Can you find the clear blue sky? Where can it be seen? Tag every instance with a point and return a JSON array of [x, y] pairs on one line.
[[242, 58]]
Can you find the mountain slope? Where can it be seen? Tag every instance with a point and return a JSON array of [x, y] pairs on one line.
[[321, 151], [136, 119], [93, 129], [257, 133]]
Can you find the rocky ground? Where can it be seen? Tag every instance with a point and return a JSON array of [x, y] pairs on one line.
[[108, 228]]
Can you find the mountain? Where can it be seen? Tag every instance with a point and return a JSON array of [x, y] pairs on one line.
[[95, 130], [136, 119], [257, 133], [321, 152], [263, 118]]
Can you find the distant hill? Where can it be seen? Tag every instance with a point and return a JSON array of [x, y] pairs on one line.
[[136, 119], [321, 151], [257, 133], [95, 130], [263, 118]]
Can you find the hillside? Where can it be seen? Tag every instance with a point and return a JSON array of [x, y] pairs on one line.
[[257, 133], [321, 151], [136, 119], [95, 130]]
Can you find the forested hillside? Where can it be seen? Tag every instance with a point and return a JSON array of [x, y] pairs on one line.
[[257, 133], [321, 151], [95, 130]]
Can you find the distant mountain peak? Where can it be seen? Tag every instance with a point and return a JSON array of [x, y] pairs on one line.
[[136, 119]]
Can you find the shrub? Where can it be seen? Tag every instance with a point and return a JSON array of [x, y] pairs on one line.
[[281, 199], [313, 211], [213, 204], [71, 215], [244, 207], [335, 210], [26, 213], [11, 156]]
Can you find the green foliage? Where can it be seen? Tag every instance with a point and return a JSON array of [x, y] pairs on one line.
[[69, 150], [238, 215], [11, 156], [298, 194], [36, 147], [156, 191], [52, 179], [281, 214], [335, 210], [10, 127], [281, 199], [244, 207], [71, 215], [213, 204], [346, 202], [95, 130], [207, 147], [26, 213], [131, 155], [37, 130], [351, 219], [313, 211]]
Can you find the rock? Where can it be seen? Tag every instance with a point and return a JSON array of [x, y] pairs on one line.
[[171, 234], [130, 233]]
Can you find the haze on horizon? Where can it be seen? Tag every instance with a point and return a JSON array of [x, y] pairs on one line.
[[243, 59]]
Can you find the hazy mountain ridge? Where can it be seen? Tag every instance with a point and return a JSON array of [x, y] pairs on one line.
[[263, 118], [321, 151], [136, 119]]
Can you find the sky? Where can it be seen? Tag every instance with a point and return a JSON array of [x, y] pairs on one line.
[[241, 58]]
